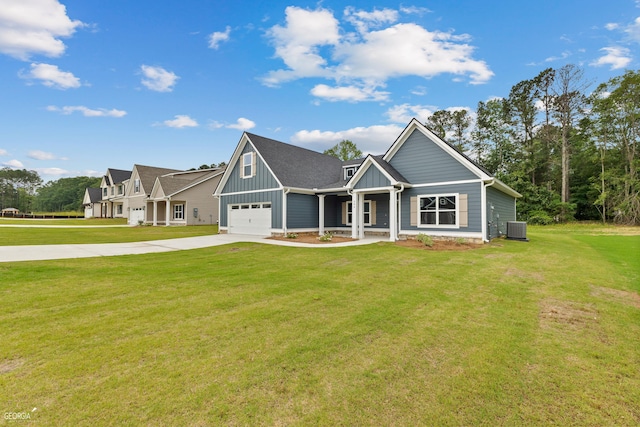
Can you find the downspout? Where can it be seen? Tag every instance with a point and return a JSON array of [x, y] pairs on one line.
[[216, 196], [398, 211], [485, 225], [284, 210]]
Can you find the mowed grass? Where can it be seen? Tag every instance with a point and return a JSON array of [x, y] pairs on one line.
[[88, 233], [538, 333]]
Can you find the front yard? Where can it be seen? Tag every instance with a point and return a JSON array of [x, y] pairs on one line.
[[512, 333]]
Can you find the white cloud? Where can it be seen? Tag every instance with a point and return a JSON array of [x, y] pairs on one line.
[[218, 37], [40, 155], [370, 140], [87, 112], [158, 79], [348, 93], [612, 26], [363, 20], [52, 76], [3, 152], [242, 124], [15, 164], [181, 121], [54, 172], [404, 113], [617, 57], [312, 43], [29, 27], [633, 30], [298, 43]]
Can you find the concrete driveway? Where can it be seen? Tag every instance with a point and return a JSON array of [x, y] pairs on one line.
[[48, 252]]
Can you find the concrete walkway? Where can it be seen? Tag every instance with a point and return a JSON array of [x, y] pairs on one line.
[[48, 252]]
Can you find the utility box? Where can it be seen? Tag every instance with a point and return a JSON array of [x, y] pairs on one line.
[[517, 230]]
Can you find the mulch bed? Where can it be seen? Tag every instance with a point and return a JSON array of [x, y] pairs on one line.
[[438, 245]]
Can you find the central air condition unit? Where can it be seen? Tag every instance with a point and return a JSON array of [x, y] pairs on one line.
[[517, 230]]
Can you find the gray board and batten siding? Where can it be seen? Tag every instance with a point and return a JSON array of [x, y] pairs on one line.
[[262, 180], [421, 161], [372, 178]]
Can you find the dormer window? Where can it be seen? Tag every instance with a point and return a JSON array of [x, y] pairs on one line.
[[349, 171]]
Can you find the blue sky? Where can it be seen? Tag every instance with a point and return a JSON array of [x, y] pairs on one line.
[[88, 85]]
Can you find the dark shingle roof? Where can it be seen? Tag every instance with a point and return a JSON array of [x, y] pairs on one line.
[[174, 183], [119, 175], [389, 169], [95, 194], [297, 166], [148, 175]]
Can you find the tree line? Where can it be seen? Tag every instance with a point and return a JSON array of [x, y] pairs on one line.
[[571, 153]]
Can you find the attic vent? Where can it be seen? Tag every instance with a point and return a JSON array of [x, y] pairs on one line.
[[517, 230]]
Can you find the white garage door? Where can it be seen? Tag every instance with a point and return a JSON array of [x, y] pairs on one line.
[[136, 215], [250, 218]]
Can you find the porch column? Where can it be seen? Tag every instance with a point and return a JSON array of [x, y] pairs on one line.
[[393, 209], [155, 213], [321, 214], [167, 212], [354, 216], [361, 216]]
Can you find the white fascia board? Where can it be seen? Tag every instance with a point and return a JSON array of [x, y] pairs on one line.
[[300, 190], [366, 164], [264, 190], [331, 190], [414, 124], [373, 190], [195, 183], [230, 166], [505, 188], [234, 159], [154, 190]]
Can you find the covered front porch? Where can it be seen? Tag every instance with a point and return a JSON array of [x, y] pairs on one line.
[[167, 212], [359, 213]]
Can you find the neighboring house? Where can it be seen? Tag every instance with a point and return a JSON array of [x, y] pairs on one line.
[[185, 198], [139, 191], [420, 185], [113, 188], [92, 202]]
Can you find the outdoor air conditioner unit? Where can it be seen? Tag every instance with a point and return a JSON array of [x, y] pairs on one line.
[[517, 230]]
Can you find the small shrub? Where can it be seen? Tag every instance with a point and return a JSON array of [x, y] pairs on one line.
[[292, 236], [424, 239], [460, 241], [326, 237], [540, 218]]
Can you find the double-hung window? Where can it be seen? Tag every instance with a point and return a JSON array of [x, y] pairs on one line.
[[136, 186], [248, 165], [438, 210], [366, 212], [178, 212]]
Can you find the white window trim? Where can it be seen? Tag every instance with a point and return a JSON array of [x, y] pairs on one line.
[[457, 211], [349, 205], [136, 186], [244, 164], [181, 211], [353, 170]]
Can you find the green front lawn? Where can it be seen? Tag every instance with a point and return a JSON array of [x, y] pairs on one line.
[[78, 235], [538, 333]]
